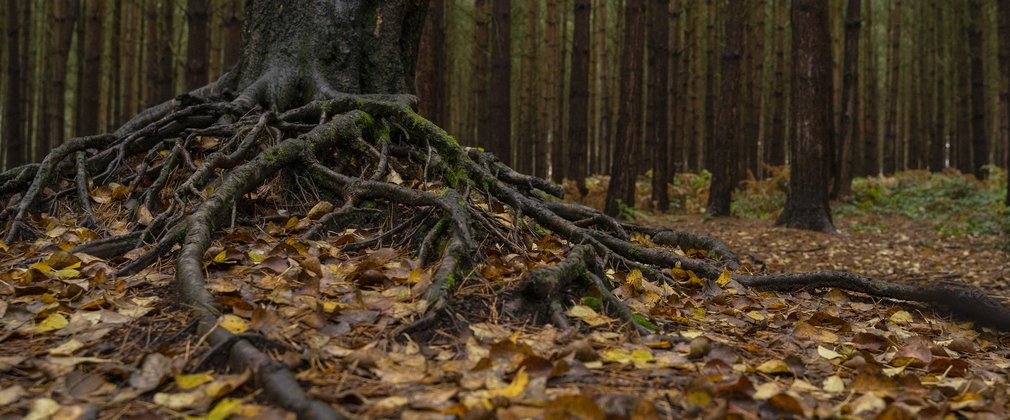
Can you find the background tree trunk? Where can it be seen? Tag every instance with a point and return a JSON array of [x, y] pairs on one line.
[[197, 43], [846, 130], [979, 135], [499, 135], [432, 66], [13, 122], [624, 171], [657, 135], [579, 97], [807, 202], [891, 121], [722, 155]]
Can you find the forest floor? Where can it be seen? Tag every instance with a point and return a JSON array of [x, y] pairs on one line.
[[73, 342]]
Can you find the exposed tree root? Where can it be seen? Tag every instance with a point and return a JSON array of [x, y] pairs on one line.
[[195, 163]]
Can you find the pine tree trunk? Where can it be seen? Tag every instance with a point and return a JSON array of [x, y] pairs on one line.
[[807, 202], [626, 151], [979, 134], [891, 121], [197, 44], [579, 97], [846, 130], [13, 120], [657, 134], [499, 135], [722, 152]]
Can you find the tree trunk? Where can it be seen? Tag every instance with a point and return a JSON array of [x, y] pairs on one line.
[[479, 78], [65, 16], [197, 44], [807, 202], [623, 173], [722, 153], [937, 147], [13, 121], [776, 143], [499, 137], [979, 135], [579, 97], [891, 121], [233, 33], [432, 67], [1004, 64], [657, 134], [870, 159], [846, 130]]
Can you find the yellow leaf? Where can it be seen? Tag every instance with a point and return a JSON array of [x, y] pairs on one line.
[[233, 323], [62, 259], [291, 223], [190, 381], [773, 366], [176, 401], [52, 323], [515, 388], [698, 398], [901, 317], [41, 267], [755, 315], [827, 353], [724, 278], [587, 315], [634, 278], [67, 273], [319, 210], [221, 256], [66, 349], [256, 256]]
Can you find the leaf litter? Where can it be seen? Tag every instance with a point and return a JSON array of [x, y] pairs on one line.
[[74, 340]]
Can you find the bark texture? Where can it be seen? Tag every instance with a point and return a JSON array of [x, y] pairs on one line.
[[807, 202]]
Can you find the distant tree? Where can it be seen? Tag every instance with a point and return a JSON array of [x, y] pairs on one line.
[[1004, 63], [847, 128], [721, 154], [979, 137], [89, 86], [657, 124], [499, 132], [197, 44], [894, 79], [578, 112], [625, 165], [13, 119], [431, 66], [807, 201]]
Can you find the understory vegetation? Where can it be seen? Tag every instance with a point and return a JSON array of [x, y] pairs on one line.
[[947, 202]]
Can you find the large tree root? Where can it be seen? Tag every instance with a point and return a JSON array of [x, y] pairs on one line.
[[193, 164]]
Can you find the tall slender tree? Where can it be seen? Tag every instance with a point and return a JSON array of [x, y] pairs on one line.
[[89, 87], [578, 101], [1004, 63], [721, 154], [624, 171], [499, 135], [979, 134], [893, 82], [846, 130], [807, 201], [13, 120], [431, 66], [657, 128], [197, 43]]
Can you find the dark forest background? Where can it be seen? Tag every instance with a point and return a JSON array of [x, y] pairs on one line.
[[540, 82]]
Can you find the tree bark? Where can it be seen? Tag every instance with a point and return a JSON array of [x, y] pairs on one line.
[[499, 137], [657, 134], [431, 66], [1004, 64], [807, 202], [624, 171], [198, 42], [13, 122], [846, 130], [776, 143], [722, 155], [578, 100], [891, 121], [979, 134]]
